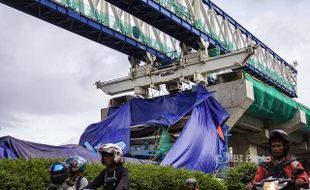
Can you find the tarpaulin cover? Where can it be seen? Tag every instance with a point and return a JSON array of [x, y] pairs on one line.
[[199, 146], [200, 142], [11, 147]]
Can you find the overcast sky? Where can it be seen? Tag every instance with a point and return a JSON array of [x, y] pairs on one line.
[[47, 73]]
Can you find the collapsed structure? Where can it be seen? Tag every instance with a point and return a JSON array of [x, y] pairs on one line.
[[184, 42], [136, 124]]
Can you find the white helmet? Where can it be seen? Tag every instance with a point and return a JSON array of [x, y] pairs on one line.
[[191, 181], [113, 148]]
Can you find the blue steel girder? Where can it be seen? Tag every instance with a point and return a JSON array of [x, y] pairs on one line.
[[220, 12], [72, 21], [163, 19]]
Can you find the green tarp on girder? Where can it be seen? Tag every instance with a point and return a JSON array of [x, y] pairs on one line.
[[164, 143], [271, 104]]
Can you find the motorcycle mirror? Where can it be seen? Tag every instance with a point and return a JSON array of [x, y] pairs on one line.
[[297, 171]]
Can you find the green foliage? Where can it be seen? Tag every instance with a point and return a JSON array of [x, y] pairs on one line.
[[22, 174], [233, 175], [156, 178], [33, 174]]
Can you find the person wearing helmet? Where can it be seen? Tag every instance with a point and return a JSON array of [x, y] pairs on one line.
[[280, 165], [191, 184], [77, 166], [114, 176], [59, 175]]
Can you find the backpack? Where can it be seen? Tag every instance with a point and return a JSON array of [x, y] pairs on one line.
[[78, 182]]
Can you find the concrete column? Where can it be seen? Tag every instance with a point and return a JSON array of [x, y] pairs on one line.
[[104, 113], [235, 97], [243, 150], [308, 141]]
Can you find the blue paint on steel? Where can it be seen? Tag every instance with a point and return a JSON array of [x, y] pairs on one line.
[[153, 4], [107, 30], [95, 26], [61, 10], [176, 19], [121, 37], [164, 11], [130, 41], [196, 31]]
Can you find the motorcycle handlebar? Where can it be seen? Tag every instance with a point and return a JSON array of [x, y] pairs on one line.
[[260, 184]]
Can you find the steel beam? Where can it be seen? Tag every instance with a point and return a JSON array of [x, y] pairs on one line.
[[148, 76]]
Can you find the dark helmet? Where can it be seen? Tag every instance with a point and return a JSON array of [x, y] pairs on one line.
[[59, 173], [277, 135], [76, 164]]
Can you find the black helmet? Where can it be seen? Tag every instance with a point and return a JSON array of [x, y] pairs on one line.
[[280, 135]]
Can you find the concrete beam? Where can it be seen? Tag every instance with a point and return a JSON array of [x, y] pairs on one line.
[[297, 122], [302, 146], [235, 97], [303, 155], [258, 137], [297, 138], [249, 122]]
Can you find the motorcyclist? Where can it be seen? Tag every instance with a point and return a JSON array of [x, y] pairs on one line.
[[59, 175], [114, 176], [77, 166], [191, 184], [280, 165]]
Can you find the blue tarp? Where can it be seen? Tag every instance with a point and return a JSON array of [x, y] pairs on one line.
[[11, 147], [199, 143], [114, 128]]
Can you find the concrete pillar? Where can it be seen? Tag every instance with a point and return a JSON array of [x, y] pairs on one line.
[[243, 149], [250, 122], [235, 97], [308, 141]]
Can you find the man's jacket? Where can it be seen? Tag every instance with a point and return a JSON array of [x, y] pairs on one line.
[[279, 169]]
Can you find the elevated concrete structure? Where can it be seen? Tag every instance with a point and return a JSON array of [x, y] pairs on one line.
[[250, 133]]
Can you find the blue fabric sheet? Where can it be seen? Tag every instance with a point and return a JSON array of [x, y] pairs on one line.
[[199, 143], [11, 147], [5, 150], [114, 128]]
